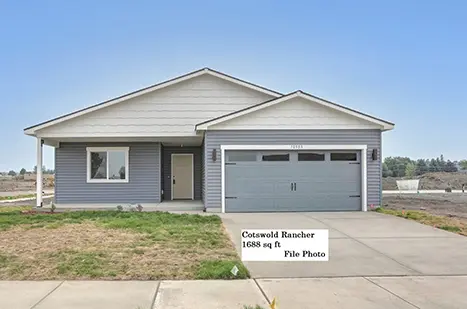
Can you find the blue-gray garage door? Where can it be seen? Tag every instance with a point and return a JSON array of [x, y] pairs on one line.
[[272, 181]]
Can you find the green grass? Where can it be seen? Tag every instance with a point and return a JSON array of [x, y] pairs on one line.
[[14, 197], [454, 225], [221, 270], [450, 228], [251, 307], [14, 209], [89, 264], [167, 246]]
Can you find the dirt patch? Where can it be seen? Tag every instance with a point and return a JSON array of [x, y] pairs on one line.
[[449, 204], [432, 181], [58, 251]]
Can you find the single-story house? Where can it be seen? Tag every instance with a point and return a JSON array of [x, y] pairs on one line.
[[229, 144]]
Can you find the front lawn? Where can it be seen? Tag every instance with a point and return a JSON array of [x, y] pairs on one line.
[[451, 224], [114, 245]]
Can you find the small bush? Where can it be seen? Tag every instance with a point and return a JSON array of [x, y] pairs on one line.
[[448, 189]]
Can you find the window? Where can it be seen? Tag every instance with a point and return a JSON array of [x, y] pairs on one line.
[[245, 156], [108, 164], [311, 156], [343, 156], [276, 157]]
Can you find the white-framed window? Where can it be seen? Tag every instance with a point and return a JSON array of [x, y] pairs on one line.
[[107, 164]]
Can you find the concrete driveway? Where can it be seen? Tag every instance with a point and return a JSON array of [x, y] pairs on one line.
[[362, 244]]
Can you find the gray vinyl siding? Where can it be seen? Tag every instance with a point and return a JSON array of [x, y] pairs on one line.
[[213, 140], [167, 172], [203, 171], [71, 172]]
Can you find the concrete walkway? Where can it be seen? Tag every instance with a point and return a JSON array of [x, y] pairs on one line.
[[420, 191], [17, 193], [352, 292]]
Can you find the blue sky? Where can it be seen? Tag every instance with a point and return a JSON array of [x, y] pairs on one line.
[[403, 61]]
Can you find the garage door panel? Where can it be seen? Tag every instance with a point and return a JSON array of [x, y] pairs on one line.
[[260, 186], [256, 204], [326, 203]]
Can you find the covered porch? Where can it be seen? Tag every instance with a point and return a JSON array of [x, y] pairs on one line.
[[160, 173]]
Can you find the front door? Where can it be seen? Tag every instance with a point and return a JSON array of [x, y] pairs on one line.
[[182, 176]]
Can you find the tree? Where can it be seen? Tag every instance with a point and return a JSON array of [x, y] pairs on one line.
[[23, 171], [433, 166], [43, 169], [421, 167], [12, 173], [463, 164], [410, 169], [441, 163], [397, 165], [386, 171], [450, 167]]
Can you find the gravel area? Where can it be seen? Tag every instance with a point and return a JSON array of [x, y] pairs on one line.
[[449, 204]]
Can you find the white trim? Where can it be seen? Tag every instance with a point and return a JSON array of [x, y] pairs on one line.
[[192, 173], [384, 125], [363, 162], [293, 147], [107, 149], [223, 148], [119, 135], [277, 127], [161, 181], [32, 130], [39, 172]]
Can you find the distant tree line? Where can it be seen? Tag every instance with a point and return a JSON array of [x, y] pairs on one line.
[[406, 167], [24, 171]]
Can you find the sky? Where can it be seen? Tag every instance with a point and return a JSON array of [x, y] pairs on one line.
[[403, 61]]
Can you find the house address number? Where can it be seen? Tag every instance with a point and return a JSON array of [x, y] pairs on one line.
[[296, 146]]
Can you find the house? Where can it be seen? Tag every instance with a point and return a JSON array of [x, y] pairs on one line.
[[228, 144]]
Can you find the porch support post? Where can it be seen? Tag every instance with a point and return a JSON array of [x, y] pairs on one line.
[[39, 173]]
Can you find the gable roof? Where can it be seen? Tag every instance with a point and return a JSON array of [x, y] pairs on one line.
[[386, 125], [31, 130]]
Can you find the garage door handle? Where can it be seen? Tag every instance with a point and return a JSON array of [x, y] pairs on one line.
[[295, 186], [291, 186], [354, 195]]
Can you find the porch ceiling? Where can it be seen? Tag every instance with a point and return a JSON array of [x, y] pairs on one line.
[[166, 141]]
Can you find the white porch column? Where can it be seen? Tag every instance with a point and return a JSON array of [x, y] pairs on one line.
[[39, 173]]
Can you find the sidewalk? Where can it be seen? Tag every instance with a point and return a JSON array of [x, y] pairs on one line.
[[16, 193], [353, 292]]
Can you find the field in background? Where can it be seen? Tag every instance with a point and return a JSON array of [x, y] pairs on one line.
[[445, 211], [448, 204], [16, 184], [431, 181]]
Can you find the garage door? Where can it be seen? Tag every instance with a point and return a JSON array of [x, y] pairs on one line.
[[270, 181]]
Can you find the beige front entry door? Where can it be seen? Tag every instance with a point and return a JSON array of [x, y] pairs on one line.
[[182, 176]]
